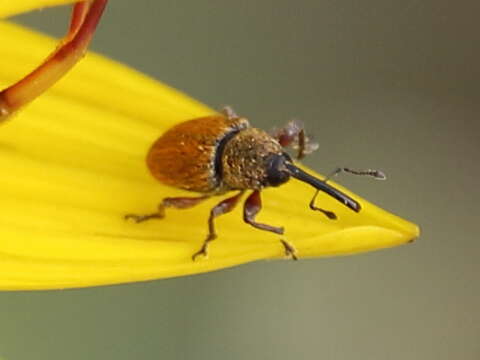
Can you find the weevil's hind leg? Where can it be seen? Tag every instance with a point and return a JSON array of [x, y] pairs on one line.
[[174, 202], [85, 17], [376, 174], [223, 207], [293, 134], [252, 207], [330, 214]]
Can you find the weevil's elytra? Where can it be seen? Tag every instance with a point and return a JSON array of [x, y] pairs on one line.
[[217, 154], [188, 156]]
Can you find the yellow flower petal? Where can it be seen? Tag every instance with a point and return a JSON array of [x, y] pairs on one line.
[[73, 164], [13, 7]]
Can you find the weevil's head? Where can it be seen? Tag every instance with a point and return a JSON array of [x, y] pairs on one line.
[[252, 159], [280, 168], [276, 170]]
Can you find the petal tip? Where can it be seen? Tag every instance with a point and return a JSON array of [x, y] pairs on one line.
[[413, 234]]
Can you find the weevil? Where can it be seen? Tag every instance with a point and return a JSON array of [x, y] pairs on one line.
[[218, 154]]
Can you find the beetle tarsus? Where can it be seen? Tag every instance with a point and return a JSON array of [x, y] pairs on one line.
[[141, 218], [204, 249], [290, 251]]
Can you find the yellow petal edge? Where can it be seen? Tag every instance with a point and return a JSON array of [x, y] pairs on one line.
[[73, 164]]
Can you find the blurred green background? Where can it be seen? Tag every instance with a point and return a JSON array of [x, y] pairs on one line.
[[382, 84]]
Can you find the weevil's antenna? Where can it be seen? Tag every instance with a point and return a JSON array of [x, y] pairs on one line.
[[322, 186]]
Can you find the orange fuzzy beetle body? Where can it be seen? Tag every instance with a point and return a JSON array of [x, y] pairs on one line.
[[187, 156]]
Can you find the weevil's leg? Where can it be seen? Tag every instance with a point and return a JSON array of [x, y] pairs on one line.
[[290, 250], [229, 113], [376, 174], [174, 202], [301, 144], [331, 215], [288, 134], [85, 17], [293, 134], [252, 207], [223, 207]]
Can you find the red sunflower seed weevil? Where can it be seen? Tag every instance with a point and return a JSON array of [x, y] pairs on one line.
[[217, 154]]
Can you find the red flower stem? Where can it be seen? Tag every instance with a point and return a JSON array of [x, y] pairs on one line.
[[80, 10], [85, 17]]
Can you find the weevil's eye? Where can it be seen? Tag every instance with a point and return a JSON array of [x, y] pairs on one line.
[[276, 171]]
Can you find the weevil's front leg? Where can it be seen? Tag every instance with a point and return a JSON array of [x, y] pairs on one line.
[[223, 207], [85, 17], [174, 202], [252, 207], [293, 134]]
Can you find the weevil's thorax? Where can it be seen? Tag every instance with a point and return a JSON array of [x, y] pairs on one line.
[[246, 158]]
